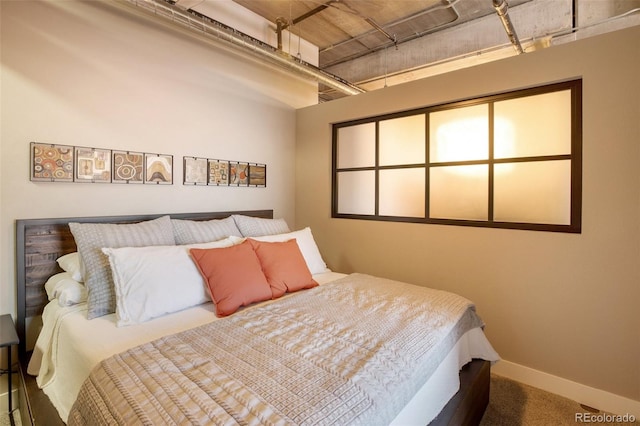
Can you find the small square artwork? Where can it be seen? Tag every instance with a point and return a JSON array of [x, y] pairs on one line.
[[92, 165], [158, 169], [257, 175], [195, 171], [238, 173], [128, 167], [218, 172], [51, 163]]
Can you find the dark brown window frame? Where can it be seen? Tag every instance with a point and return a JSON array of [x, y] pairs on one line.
[[575, 225]]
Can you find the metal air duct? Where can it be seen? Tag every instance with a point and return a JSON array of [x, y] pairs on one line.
[[243, 43]]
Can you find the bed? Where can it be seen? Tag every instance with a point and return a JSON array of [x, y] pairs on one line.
[[325, 364]]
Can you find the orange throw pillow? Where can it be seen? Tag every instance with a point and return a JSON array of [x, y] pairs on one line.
[[234, 276], [284, 266]]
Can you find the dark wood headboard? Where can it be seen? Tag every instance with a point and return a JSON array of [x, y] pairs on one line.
[[39, 242]]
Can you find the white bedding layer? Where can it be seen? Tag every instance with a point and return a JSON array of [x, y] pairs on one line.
[[69, 346]]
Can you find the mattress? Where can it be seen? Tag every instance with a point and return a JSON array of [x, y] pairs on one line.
[[70, 346]]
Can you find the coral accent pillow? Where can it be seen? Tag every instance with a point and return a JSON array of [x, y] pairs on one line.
[[307, 246], [284, 266], [233, 275]]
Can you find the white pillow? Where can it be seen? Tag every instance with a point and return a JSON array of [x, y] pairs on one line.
[[92, 237], [307, 245], [156, 280], [71, 263], [64, 288]]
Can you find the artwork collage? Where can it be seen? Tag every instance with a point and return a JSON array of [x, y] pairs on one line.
[[67, 163]]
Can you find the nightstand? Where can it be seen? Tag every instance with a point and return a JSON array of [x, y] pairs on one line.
[[8, 338]]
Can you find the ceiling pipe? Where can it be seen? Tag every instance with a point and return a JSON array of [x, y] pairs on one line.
[[311, 12], [282, 24], [243, 43], [450, 4], [375, 25], [502, 8]]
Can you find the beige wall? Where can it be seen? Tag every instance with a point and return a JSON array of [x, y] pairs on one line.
[[563, 304], [90, 74]]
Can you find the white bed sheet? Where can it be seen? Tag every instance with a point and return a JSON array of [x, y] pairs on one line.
[[69, 346]]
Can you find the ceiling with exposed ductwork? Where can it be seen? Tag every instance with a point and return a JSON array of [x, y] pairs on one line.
[[345, 30], [369, 44]]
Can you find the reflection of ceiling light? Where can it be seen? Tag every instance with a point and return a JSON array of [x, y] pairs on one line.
[[462, 139], [466, 139], [504, 136]]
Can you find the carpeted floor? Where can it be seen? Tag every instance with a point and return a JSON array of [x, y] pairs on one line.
[[512, 403], [5, 421]]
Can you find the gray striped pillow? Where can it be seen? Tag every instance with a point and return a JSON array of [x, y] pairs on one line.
[[203, 231], [257, 227], [92, 237]]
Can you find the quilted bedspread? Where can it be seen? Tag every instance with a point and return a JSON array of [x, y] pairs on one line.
[[350, 352]]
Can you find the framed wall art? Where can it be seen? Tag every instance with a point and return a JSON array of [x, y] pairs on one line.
[[128, 167], [238, 173], [92, 165], [258, 175], [195, 171], [218, 172], [158, 169], [51, 163], [70, 163]]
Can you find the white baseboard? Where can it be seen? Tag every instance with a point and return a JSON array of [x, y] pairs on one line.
[[592, 397], [4, 401], [4, 395]]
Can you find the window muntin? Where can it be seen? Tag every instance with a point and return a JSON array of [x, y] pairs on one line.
[[510, 160]]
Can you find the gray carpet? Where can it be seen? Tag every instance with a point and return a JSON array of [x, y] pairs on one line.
[[5, 421], [512, 403]]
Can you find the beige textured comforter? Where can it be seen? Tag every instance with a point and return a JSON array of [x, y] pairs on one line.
[[350, 352]]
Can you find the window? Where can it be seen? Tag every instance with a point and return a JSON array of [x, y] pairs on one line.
[[510, 160]]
